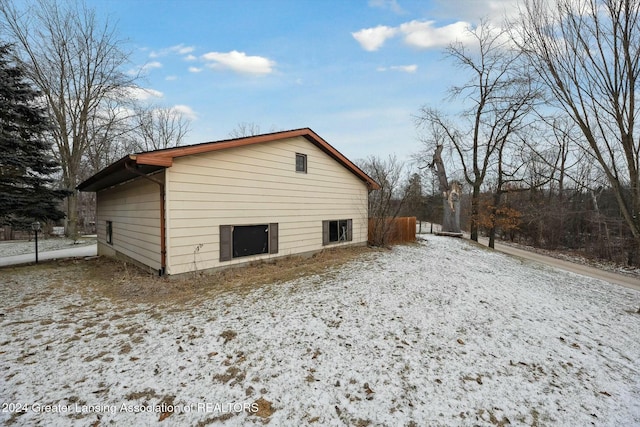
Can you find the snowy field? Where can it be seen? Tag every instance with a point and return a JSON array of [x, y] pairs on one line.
[[12, 248], [437, 333]]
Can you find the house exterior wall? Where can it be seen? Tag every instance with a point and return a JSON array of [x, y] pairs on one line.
[[257, 184], [134, 211]]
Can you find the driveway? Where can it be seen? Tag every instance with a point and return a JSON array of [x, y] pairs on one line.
[[81, 251], [585, 270]]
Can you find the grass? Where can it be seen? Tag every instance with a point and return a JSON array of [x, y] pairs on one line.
[[102, 277]]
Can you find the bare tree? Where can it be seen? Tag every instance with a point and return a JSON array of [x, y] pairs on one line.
[[501, 94], [385, 203], [244, 129], [156, 128], [587, 53], [77, 63], [110, 132], [414, 200], [451, 195]]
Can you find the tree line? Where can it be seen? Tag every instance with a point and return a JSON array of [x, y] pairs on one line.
[[543, 133], [76, 65]]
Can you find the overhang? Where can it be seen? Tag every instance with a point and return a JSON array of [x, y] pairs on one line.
[[117, 173], [152, 161]]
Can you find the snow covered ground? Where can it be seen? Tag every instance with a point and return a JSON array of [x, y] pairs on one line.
[[437, 333], [71, 252], [12, 248]]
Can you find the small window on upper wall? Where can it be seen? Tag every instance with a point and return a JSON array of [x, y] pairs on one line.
[[301, 162], [110, 232]]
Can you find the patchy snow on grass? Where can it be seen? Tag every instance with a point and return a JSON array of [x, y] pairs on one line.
[[438, 333], [12, 248]]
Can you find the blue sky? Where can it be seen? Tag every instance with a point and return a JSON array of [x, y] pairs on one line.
[[355, 71]]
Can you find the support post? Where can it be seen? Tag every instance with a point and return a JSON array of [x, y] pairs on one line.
[[36, 227]]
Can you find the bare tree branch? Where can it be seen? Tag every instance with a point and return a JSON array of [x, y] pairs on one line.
[[77, 63], [587, 53], [156, 128], [499, 94]]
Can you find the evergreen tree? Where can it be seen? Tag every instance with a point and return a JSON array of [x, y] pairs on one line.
[[26, 163]]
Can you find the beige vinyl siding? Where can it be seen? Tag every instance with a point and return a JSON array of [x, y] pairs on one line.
[[258, 184], [134, 210]]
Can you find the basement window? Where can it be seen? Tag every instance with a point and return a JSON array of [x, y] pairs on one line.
[[338, 230], [301, 163], [109, 234], [237, 241]]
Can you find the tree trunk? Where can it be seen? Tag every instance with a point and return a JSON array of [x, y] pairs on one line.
[[492, 232], [633, 258], [8, 232], [475, 212], [496, 202], [450, 216], [72, 215], [451, 195]]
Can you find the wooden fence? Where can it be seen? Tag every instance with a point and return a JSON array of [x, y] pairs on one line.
[[392, 231]]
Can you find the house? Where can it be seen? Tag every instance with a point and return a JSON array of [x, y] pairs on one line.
[[224, 203]]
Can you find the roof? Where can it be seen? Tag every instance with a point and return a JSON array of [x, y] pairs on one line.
[[133, 165]]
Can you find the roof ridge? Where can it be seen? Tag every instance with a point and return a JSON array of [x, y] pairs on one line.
[[155, 160]]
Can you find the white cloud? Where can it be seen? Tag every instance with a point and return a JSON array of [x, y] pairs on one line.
[[425, 35], [145, 68], [373, 38], [239, 62], [150, 66], [494, 10], [194, 69], [190, 57], [404, 68], [171, 78], [180, 49], [186, 111], [144, 94], [420, 34], [387, 4]]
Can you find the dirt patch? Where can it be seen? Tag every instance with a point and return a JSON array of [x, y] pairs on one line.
[[228, 335], [146, 394], [232, 373], [264, 408], [215, 420]]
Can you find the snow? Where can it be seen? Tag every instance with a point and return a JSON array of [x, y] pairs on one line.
[[72, 252], [22, 252], [565, 254], [437, 333], [13, 248]]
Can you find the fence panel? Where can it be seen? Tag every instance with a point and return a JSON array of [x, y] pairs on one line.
[[398, 230]]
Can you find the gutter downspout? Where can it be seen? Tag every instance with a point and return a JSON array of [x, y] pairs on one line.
[[163, 244]]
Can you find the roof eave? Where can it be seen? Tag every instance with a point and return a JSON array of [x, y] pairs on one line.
[[164, 158], [116, 173]]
